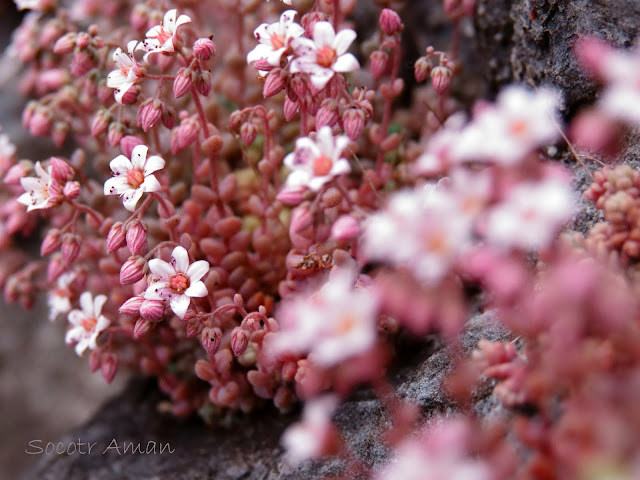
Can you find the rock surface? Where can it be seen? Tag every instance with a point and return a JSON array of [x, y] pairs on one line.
[[247, 447]]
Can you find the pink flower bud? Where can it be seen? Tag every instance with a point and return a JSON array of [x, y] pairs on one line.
[[109, 367], [100, 122], [71, 190], [152, 310], [184, 135], [379, 62], [51, 242], [421, 69], [131, 96], [40, 123], [298, 87], [132, 270], [94, 361], [353, 121], [149, 113], [263, 65], [55, 268], [239, 341], [132, 306], [441, 79], [291, 196], [116, 238], [139, 17], [593, 54], [204, 49], [301, 219], [183, 82], [65, 44], [390, 22], [210, 338], [61, 171], [248, 133], [309, 21], [128, 143], [18, 171], [328, 113], [168, 117], [137, 238], [70, 248], [290, 109], [202, 82], [225, 312], [141, 328], [274, 82], [59, 133], [469, 7], [53, 79], [116, 132], [81, 63], [345, 228]]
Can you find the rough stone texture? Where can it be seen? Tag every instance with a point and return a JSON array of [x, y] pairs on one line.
[[531, 40], [248, 446]]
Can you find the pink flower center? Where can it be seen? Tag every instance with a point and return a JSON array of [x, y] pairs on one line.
[[89, 324], [163, 36], [277, 41], [322, 165], [518, 128], [135, 178], [326, 56], [179, 282]]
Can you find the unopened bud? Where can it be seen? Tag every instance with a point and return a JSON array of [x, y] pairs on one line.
[[152, 310], [61, 171], [421, 69], [109, 367], [353, 121], [204, 49], [328, 113], [210, 338], [441, 79], [202, 82], [149, 113], [390, 22], [116, 238], [248, 133], [291, 196], [290, 109], [136, 238], [141, 328], [182, 83], [379, 62], [132, 270], [100, 122], [345, 228], [40, 123], [239, 341], [51, 242], [131, 306], [55, 268], [70, 248], [65, 44], [274, 82], [168, 117], [116, 132], [128, 143]]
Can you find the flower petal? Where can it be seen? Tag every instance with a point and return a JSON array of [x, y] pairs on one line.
[[158, 290], [160, 268], [86, 303], [197, 290], [98, 303], [153, 164], [130, 199], [182, 19], [197, 270], [320, 77], [120, 165], [180, 259], [343, 40], [346, 63], [116, 186], [150, 184], [324, 34], [180, 305], [138, 156], [169, 20]]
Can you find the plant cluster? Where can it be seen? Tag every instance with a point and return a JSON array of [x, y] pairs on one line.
[[251, 216]]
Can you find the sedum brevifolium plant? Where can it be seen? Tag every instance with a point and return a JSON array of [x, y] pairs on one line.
[[251, 216]]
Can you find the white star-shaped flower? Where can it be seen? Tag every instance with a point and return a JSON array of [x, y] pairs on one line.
[[133, 177], [177, 281], [87, 323], [325, 55], [314, 163], [162, 38], [275, 39], [125, 75], [38, 189]]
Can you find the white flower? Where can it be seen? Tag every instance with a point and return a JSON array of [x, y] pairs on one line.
[[335, 323], [38, 190], [87, 323], [287, 2], [162, 38], [424, 230], [124, 77], [177, 281], [508, 131], [28, 4], [275, 39], [325, 55], [531, 215], [133, 177], [314, 435], [313, 164], [59, 297]]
